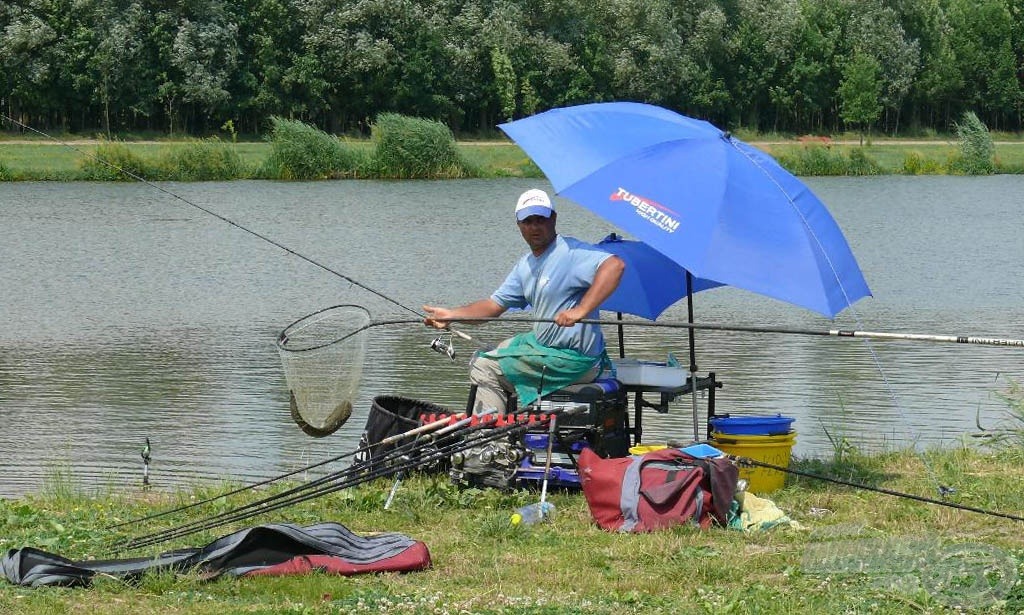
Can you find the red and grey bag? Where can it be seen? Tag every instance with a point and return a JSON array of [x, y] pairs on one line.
[[643, 493]]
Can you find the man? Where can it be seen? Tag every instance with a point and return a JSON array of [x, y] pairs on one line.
[[564, 280]]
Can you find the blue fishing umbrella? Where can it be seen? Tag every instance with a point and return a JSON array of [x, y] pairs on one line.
[[651, 282], [718, 207]]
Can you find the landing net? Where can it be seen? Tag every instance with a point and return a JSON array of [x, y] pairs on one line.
[[322, 354]]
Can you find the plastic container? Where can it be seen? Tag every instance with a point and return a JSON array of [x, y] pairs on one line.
[[752, 425], [533, 513], [649, 373], [775, 450], [641, 449]]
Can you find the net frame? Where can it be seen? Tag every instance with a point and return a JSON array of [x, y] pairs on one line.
[[322, 356]]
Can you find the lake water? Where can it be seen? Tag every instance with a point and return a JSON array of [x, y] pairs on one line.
[[129, 314]]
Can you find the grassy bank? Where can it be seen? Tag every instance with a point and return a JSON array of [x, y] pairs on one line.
[[51, 161], [858, 552]]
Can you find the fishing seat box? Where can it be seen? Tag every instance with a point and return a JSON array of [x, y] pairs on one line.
[[602, 426], [605, 417]]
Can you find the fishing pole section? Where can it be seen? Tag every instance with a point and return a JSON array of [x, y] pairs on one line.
[[323, 354], [433, 444], [748, 462]]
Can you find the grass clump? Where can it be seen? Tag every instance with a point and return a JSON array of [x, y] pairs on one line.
[[823, 160], [414, 148], [916, 163], [814, 160], [204, 160], [977, 151], [862, 164], [300, 151], [114, 161]]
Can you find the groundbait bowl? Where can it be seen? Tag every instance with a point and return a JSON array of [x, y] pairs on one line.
[[752, 425]]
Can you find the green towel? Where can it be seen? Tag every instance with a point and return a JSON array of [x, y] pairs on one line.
[[523, 359]]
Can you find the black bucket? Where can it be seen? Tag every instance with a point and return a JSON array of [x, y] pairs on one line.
[[391, 415]]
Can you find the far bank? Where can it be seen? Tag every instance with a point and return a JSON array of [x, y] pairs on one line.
[[70, 159]]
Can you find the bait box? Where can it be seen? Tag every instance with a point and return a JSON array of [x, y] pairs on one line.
[[649, 373]]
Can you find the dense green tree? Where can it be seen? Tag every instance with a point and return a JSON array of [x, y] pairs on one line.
[[860, 92], [876, 31], [787, 65], [980, 39], [764, 47]]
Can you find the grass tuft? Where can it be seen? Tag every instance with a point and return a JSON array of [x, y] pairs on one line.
[[113, 161], [300, 152], [203, 160], [414, 148]]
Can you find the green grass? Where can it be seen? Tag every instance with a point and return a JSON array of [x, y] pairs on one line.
[[859, 552]]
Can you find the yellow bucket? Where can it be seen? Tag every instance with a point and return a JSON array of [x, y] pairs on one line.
[[641, 449], [775, 450]]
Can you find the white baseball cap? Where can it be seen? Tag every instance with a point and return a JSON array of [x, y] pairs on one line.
[[534, 202]]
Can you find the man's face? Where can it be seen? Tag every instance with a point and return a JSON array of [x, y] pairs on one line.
[[538, 232]]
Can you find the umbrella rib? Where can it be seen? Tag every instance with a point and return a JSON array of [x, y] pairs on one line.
[[803, 219]]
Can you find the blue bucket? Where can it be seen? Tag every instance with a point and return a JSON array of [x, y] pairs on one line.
[[752, 425]]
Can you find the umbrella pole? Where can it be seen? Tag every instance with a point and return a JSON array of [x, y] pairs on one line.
[[693, 355], [622, 344]]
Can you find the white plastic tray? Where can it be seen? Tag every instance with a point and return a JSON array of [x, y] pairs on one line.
[[649, 373]]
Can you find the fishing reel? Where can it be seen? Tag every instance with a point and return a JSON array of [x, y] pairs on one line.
[[445, 345]]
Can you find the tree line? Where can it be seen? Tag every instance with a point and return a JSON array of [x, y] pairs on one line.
[[801, 66]]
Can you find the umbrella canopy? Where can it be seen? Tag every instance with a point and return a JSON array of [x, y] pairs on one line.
[[651, 282], [718, 207]]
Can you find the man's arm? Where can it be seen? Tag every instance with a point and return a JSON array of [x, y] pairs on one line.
[[440, 317], [606, 280]]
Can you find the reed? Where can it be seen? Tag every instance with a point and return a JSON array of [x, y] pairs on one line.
[[300, 151], [862, 164], [203, 160], [916, 163], [815, 160], [977, 151], [414, 148], [111, 160]]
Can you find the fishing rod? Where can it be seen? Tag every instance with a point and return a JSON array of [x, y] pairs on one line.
[[364, 449], [355, 474], [841, 333], [273, 504], [483, 432], [746, 461]]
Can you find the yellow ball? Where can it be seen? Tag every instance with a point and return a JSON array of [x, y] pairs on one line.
[[516, 519]]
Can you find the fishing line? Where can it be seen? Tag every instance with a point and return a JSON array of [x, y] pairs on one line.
[[215, 215], [900, 494], [940, 488]]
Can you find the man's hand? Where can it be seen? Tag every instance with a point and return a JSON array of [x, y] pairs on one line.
[[440, 318], [570, 317], [437, 317]]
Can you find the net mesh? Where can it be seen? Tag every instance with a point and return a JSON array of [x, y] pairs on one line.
[[322, 355]]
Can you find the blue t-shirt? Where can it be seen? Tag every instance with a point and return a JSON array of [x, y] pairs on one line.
[[552, 282]]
